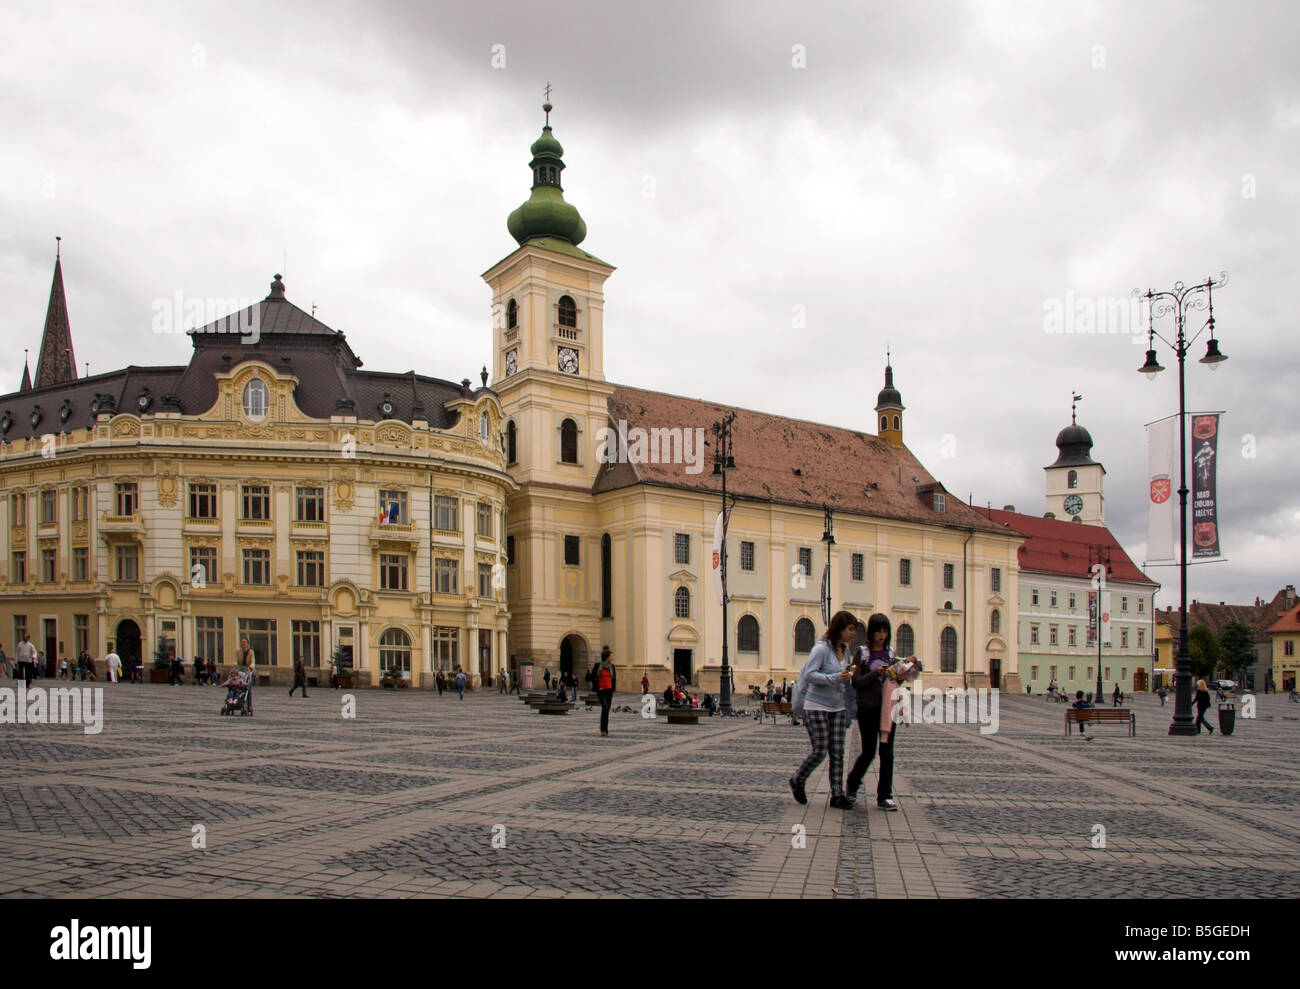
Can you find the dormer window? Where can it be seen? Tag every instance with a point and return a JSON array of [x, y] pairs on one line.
[[940, 502], [255, 400], [568, 312], [144, 400], [483, 427]]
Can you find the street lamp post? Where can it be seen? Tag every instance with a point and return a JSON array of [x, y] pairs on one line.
[[723, 461], [828, 537], [1099, 564], [1180, 301]]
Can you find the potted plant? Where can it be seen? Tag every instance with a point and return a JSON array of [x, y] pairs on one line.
[[162, 664], [344, 664]]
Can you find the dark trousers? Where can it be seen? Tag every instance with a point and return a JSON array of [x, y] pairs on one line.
[[26, 670], [606, 699], [298, 686], [1200, 720], [869, 729]]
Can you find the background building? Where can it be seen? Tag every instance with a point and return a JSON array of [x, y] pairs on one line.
[[271, 489], [1258, 617]]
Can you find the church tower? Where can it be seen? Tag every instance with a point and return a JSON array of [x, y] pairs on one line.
[[889, 409], [1075, 480], [548, 333], [56, 363]]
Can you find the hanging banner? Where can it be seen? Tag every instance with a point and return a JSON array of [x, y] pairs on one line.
[[1105, 618], [1098, 615], [826, 595], [719, 535], [1092, 618], [1205, 509], [1160, 491]]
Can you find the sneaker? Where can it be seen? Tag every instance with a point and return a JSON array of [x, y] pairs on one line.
[[798, 791], [886, 804], [841, 803]]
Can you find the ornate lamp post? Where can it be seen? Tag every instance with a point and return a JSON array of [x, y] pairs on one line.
[[828, 537], [723, 461], [1099, 564], [1180, 301]]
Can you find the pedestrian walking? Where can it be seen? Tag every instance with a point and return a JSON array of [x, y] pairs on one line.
[[6, 664], [822, 687], [514, 682], [645, 684], [1162, 693], [26, 656], [248, 660], [114, 663], [606, 683], [299, 677], [177, 671], [502, 686], [546, 678], [42, 671], [63, 668], [871, 671], [1115, 697], [573, 687], [440, 681], [1202, 705], [334, 674], [460, 682]]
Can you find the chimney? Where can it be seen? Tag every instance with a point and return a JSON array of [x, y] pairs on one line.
[[1290, 595]]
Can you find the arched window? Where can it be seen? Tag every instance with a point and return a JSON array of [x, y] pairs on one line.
[[904, 641], [511, 443], [884, 423], [395, 650], [995, 622], [948, 650], [682, 602], [569, 441], [896, 422], [512, 314], [568, 312], [255, 400], [805, 635], [606, 577], [1072, 479], [747, 634]]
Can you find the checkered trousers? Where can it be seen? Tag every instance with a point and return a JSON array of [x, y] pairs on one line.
[[826, 731]]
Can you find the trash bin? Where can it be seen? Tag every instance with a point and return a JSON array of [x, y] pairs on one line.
[[1227, 718]]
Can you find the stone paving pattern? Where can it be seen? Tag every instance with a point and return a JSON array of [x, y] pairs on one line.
[[423, 795]]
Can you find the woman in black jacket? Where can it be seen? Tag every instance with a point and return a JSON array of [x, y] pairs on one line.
[[872, 661], [1202, 705]]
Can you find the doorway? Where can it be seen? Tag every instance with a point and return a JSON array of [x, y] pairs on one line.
[[127, 641], [573, 654], [50, 636], [995, 673], [682, 664], [485, 657]]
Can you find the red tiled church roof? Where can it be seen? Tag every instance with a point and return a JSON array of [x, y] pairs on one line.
[[1058, 547]]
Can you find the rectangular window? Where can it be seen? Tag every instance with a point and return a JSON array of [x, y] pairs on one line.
[[1033, 672], [510, 549], [1052, 672], [79, 500], [446, 513], [128, 564], [1288, 647], [1106, 674], [949, 576], [1123, 638], [485, 580], [1072, 672], [681, 547], [203, 565], [82, 624], [311, 568], [1142, 605], [208, 640], [1033, 635], [17, 509], [445, 576], [746, 556], [940, 502], [805, 560], [20, 628], [1142, 636], [257, 566], [309, 504], [392, 571], [49, 506], [446, 648], [483, 518], [256, 502], [905, 573], [306, 642], [1123, 606], [855, 566], [80, 563], [1033, 597], [572, 544], [995, 576], [203, 500], [1052, 599], [1123, 672], [1052, 635], [126, 497], [262, 638], [1073, 636], [18, 567], [1072, 600], [1088, 675], [48, 572]]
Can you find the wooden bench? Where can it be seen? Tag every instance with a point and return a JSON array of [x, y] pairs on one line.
[[777, 707], [554, 707], [1101, 716]]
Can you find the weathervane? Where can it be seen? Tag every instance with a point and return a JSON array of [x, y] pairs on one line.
[[547, 105], [1077, 398]]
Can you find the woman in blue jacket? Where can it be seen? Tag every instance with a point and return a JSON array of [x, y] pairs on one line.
[[823, 682]]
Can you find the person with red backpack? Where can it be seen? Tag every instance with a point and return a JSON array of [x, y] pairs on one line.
[[606, 683]]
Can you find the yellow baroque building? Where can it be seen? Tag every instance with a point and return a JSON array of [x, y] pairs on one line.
[[269, 489], [611, 526]]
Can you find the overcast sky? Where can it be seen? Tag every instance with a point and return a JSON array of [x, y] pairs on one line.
[[784, 191]]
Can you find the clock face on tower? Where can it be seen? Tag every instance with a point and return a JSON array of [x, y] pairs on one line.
[[512, 362], [1074, 504], [568, 360]]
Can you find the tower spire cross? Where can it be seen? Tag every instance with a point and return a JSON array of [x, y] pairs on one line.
[[1077, 398]]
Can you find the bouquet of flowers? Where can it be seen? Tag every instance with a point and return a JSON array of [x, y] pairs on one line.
[[901, 670]]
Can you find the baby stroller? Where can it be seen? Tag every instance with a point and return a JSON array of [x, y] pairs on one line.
[[239, 694]]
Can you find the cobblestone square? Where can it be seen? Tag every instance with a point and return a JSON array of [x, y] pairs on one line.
[[422, 795]]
